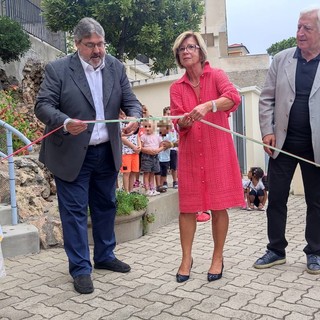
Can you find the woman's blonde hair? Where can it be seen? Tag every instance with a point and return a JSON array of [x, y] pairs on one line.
[[183, 36]]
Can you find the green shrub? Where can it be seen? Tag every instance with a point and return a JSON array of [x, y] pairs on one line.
[[14, 42], [10, 115], [128, 202]]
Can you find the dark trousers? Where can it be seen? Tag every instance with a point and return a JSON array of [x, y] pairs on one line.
[[280, 174], [94, 188]]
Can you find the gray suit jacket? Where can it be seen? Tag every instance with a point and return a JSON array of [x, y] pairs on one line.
[[65, 93], [277, 97]]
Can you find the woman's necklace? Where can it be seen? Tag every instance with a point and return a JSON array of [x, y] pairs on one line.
[[195, 85]]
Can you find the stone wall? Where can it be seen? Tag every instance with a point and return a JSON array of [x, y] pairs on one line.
[[243, 79], [35, 188], [33, 73], [7, 81], [36, 198], [37, 201]]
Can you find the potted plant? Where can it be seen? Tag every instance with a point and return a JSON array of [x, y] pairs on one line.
[[131, 217], [129, 202]]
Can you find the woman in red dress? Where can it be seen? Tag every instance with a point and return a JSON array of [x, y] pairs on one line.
[[209, 173]]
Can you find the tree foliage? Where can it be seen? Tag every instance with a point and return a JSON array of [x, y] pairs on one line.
[[132, 27], [14, 42], [281, 45]]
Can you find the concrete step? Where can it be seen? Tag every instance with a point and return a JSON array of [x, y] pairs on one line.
[[19, 239], [5, 214]]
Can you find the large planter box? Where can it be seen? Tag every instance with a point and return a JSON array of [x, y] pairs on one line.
[[165, 208], [126, 227], [129, 227]]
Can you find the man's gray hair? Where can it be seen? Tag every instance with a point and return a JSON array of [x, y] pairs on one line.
[[311, 9], [86, 27]]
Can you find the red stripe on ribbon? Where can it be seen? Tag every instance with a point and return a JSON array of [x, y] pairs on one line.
[[30, 144]]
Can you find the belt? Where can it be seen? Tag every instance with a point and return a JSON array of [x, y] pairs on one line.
[[102, 144]]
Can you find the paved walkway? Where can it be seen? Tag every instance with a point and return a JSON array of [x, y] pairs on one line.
[[38, 286]]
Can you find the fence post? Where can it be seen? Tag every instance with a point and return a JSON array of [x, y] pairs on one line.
[[13, 200]]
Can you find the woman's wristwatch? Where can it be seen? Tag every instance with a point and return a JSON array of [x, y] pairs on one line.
[[214, 106]]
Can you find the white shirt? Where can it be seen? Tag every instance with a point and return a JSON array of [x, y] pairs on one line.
[[258, 186], [94, 76]]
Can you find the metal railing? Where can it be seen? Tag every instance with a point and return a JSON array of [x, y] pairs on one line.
[[12, 181], [28, 14]]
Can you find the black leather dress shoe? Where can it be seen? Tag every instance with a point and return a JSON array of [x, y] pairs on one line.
[[313, 264], [114, 265], [83, 283], [215, 276]]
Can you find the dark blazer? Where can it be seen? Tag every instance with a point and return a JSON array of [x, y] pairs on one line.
[[65, 93]]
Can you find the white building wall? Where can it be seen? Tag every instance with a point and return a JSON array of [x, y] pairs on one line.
[[255, 152], [155, 96]]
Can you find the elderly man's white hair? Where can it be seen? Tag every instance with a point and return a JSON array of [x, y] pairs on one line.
[[310, 9]]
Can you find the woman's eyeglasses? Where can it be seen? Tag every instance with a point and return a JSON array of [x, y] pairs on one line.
[[189, 48]]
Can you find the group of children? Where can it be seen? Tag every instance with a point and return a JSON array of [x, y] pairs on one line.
[[152, 151]]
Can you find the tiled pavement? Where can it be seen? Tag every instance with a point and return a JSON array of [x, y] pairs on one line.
[[39, 287]]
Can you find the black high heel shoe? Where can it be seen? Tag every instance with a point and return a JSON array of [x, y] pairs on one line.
[[215, 276], [182, 278]]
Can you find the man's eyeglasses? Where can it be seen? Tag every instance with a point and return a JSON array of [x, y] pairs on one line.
[[189, 48], [92, 45]]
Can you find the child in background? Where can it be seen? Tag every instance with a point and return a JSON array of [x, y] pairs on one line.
[[145, 114], [131, 147], [122, 116], [164, 156], [151, 145], [257, 194], [245, 186], [173, 151]]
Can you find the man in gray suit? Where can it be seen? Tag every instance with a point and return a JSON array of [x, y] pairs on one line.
[[85, 158], [289, 109]]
